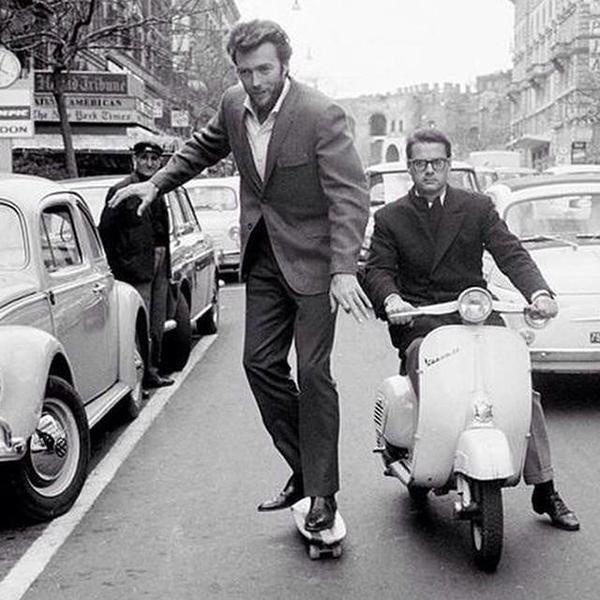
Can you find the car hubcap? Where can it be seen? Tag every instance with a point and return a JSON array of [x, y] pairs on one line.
[[54, 449]]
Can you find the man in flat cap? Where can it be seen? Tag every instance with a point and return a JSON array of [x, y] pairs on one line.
[[137, 248]]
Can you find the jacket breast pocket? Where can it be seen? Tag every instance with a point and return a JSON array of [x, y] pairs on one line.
[[288, 161]]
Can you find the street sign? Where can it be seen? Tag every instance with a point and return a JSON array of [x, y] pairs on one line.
[[16, 98]]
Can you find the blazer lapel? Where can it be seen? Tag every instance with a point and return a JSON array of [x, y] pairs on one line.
[[283, 121], [422, 214], [449, 226], [245, 157]]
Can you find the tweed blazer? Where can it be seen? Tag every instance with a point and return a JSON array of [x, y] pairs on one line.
[[406, 259], [313, 199]]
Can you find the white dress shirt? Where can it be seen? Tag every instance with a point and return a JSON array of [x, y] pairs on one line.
[[259, 134]]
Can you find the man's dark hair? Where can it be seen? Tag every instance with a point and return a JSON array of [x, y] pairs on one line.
[[249, 35], [427, 136]]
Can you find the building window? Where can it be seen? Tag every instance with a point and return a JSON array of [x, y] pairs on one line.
[[392, 154], [377, 124]]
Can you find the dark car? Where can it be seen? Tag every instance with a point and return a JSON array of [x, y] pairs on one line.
[[194, 298]]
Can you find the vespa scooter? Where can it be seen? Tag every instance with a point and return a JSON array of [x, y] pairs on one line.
[[468, 430]]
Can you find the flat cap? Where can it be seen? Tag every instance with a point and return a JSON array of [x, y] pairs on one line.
[[142, 147]]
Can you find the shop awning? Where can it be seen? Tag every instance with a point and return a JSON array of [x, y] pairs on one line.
[[95, 143], [529, 140]]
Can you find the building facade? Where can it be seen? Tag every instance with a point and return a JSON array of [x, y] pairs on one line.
[[137, 84], [555, 90], [476, 118]]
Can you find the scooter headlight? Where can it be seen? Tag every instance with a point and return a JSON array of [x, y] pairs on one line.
[[475, 305]]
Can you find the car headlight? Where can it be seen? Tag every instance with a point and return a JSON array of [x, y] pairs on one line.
[[475, 305], [234, 234]]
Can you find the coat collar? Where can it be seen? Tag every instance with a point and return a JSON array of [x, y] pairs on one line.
[[452, 219], [450, 225]]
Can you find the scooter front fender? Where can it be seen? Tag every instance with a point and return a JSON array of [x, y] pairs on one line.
[[484, 453]]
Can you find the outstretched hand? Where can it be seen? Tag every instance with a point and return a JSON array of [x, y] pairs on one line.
[[346, 291], [146, 191]]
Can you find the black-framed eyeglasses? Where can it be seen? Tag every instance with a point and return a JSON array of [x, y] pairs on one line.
[[420, 164]]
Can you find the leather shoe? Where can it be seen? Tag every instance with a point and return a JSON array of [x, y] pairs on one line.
[[321, 514], [154, 380], [553, 505], [289, 495]]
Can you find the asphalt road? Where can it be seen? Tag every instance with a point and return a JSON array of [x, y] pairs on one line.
[[178, 521]]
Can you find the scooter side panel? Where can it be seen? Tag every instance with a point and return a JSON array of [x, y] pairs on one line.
[[462, 367]]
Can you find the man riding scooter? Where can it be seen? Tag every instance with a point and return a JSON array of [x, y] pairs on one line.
[[427, 247]]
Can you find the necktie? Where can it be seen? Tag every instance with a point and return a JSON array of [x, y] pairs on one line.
[[435, 216]]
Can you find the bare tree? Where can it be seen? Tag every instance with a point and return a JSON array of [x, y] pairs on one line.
[[57, 33]]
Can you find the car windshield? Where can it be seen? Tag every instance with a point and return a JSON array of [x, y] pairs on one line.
[[13, 249], [212, 198], [564, 218], [95, 198], [387, 187]]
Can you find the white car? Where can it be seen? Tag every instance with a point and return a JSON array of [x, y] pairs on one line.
[[216, 201], [558, 220], [73, 342]]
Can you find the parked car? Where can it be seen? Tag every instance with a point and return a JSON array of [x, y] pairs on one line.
[[558, 220], [487, 175], [389, 181], [194, 298], [571, 169], [217, 204], [73, 342]]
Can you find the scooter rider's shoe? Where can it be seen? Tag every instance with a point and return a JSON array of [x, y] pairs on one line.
[[289, 495], [321, 514], [554, 506]]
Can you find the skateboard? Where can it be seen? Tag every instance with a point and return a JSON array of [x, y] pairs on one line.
[[320, 543]]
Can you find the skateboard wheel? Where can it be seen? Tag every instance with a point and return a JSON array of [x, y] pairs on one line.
[[336, 551], [314, 552]]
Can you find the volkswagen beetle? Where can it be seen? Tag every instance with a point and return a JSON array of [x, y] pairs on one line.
[[73, 342]]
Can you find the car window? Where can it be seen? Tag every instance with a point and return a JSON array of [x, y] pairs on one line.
[[92, 234], [566, 216], [176, 217], [13, 248], [95, 198], [213, 198], [60, 246]]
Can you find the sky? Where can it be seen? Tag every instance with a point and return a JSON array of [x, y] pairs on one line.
[[354, 47]]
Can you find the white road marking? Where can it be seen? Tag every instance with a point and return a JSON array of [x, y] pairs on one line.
[[34, 561]]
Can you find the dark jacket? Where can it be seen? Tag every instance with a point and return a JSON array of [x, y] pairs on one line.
[[406, 259], [129, 240], [313, 200]]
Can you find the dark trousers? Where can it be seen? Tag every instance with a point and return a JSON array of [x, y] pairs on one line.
[[538, 463], [302, 419], [155, 294]]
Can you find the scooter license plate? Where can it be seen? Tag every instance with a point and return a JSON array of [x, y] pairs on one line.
[[594, 337]]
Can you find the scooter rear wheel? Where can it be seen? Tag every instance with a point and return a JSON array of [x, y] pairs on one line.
[[487, 524]]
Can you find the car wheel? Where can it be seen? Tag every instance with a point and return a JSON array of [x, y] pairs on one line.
[[48, 480], [132, 403], [208, 323], [177, 344]]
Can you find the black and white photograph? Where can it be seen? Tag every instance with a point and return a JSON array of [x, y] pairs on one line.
[[299, 299]]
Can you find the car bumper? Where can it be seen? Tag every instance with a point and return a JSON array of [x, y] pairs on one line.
[[11, 448], [229, 261], [565, 361]]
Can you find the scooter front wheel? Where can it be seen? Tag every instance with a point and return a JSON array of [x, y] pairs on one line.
[[487, 524]]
